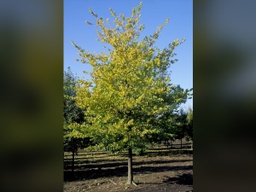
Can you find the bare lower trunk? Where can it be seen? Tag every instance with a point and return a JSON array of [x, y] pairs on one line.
[[73, 162], [130, 171]]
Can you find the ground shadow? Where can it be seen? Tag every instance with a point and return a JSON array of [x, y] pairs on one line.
[[106, 164], [118, 171], [182, 182], [169, 152], [184, 179], [149, 154]]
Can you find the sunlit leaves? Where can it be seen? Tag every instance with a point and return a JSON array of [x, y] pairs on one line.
[[94, 14], [89, 23], [130, 91], [112, 12]]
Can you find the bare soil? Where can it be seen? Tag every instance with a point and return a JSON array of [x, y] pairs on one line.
[[160, 171]]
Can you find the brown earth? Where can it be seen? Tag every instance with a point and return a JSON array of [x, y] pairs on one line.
[[163, 171]]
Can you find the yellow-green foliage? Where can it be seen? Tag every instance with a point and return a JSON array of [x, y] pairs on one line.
[[129, 88]]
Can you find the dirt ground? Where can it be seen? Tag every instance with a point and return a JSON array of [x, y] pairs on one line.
[[163, 172]]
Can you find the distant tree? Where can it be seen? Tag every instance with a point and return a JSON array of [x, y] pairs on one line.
[[73, 117], [189, 130], [172, 120], [130, 89], [181, 125]]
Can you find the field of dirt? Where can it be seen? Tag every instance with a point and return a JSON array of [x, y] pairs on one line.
[[159, 170]]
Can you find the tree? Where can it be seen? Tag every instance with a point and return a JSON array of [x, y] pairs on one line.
[[73, 116], [173, 121], [130, 88], [72, 113], [183, 127], [189, 130]]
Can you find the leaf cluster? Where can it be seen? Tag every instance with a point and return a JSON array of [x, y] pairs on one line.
[[130, 94]]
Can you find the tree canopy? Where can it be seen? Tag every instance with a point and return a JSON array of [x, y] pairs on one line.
[[72, 115], [130, 89]]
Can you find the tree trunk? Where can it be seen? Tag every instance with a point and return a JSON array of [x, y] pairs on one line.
[[73, 162], [130, 171]]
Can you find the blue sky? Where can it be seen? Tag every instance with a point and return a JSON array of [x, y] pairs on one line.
[[153, 14]]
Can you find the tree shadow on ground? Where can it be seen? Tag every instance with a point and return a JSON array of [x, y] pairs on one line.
[[169, 152], [118, 171], [107, 164], [80, 157], [184, 179], [173, 146], [152, 153]]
